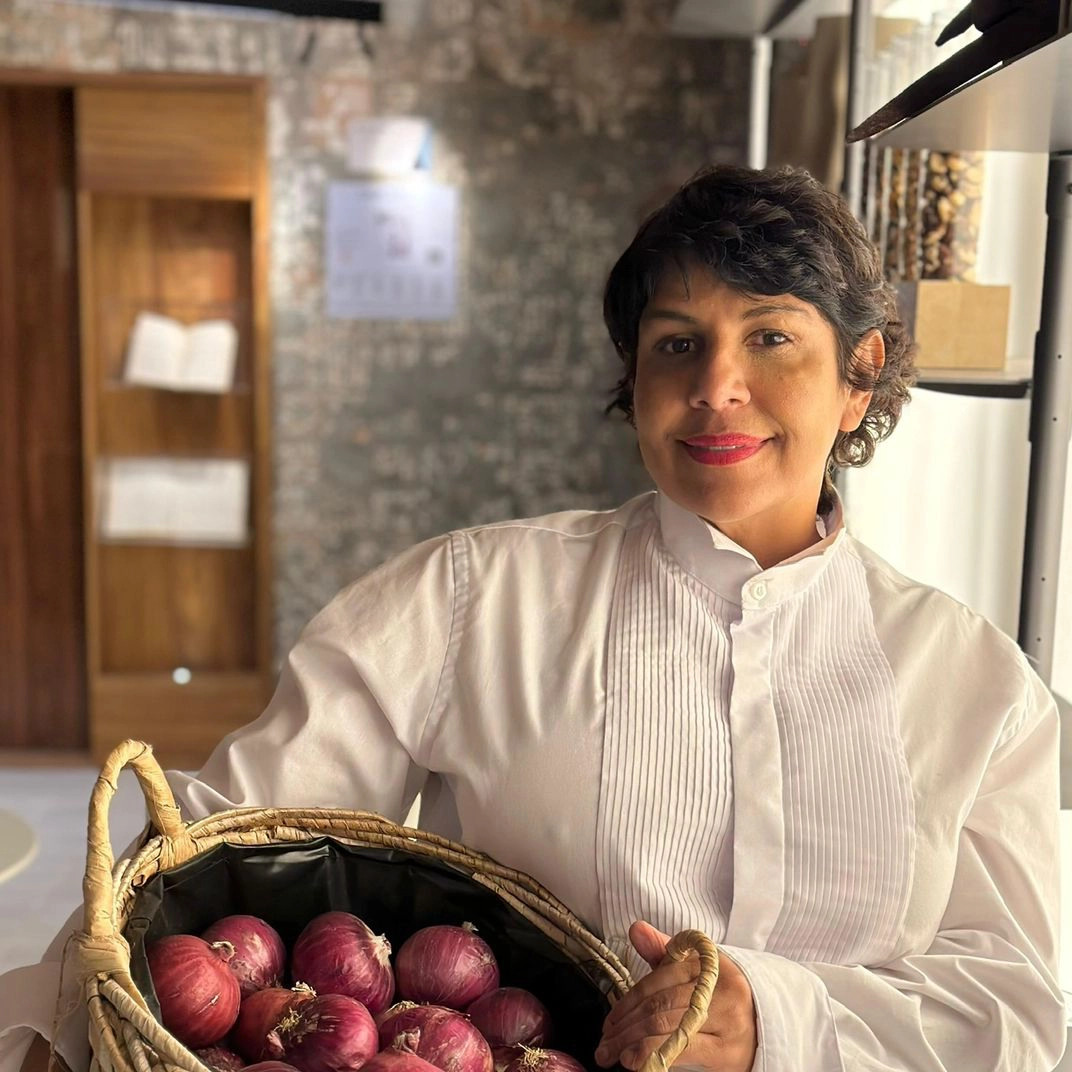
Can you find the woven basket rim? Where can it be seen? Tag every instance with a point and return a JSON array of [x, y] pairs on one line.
[[125, 1037]]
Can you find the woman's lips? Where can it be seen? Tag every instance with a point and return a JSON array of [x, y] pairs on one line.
[[729, 449]]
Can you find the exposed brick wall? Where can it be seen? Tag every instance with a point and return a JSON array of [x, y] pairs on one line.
[[561, 121]]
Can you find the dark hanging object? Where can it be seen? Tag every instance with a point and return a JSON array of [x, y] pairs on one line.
[[359, 10], [1009, 28]]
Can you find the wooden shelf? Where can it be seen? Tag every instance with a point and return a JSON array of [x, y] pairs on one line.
[[780, 19], [972, 376], [186, 238], [1024, 106], [175, 545], [122, 386], [177, 719], [702, 18]]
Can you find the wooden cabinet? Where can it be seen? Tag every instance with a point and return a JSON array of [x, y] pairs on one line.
[[42, 643], [172, 219]]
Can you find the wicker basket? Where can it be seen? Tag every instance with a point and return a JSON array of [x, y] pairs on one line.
[[125, 1037]]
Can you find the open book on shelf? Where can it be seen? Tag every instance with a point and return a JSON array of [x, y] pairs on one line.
[[178, 500], [166, 353]]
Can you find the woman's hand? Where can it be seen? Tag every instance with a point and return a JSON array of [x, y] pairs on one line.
[[652, 1010]]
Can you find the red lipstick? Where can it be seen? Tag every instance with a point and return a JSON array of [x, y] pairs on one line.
[[727, 449]]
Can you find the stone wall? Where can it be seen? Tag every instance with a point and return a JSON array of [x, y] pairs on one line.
[[561, 121]]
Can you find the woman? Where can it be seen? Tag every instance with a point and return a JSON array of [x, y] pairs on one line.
[[712, 707]]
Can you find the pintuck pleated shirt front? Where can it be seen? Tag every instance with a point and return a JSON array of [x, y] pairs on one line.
[[847, 779], [777, 740]]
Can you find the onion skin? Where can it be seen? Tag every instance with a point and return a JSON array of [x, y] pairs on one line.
[[198, 994], [536, 1060], [501, 1056], [330, 1033], [446, 965], [256, 1031], [394, 1010], [510, 1016], [259, 954], [220, 1058], [397, 1059], [337, 953], [440, 1036]]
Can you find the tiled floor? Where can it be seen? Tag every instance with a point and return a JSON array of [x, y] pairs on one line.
[[36, 902]]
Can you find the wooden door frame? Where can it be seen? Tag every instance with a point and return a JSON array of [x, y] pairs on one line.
[[256, 86]]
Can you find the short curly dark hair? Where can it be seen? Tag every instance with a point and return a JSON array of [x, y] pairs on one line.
[[774, 231]]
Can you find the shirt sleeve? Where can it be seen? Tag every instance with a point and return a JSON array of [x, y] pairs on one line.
[[346, 726], [344, 729], [985, 993]]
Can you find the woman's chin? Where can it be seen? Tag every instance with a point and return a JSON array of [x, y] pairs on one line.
[[722, 507]]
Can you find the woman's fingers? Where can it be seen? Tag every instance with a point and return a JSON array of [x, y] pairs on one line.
[[654, 1009], [703, 1052], [660, 1012], [649, 942], [666, 976]]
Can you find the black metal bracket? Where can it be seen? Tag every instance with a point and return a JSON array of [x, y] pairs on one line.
[[358, 10]]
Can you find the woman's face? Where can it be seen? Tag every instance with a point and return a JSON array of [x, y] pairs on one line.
[[737, 401]]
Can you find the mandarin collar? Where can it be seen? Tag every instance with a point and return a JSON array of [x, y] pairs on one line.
[[732, 572]]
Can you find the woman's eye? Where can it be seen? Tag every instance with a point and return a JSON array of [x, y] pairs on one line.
[[678, 345], [771, 338]]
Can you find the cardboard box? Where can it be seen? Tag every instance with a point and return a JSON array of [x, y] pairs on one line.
[[956, 325]]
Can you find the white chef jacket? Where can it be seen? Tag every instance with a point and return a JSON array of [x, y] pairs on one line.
[[847, 779]]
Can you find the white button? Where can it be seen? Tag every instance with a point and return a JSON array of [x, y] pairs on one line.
[[758, 591]]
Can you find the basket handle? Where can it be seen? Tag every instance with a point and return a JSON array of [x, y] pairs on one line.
[[164, 814], [680, 947]]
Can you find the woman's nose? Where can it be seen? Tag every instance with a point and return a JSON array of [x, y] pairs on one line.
[[720, 381]]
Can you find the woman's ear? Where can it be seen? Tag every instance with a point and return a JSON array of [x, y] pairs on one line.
[[869, 357]]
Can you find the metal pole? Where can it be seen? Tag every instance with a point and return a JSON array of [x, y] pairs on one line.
[[1051, 426], [861, 49], [759, 107]]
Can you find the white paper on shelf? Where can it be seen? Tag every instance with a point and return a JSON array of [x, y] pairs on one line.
[[945, 499], [209, 358], [165, 353], [180, 500], [155, 351]]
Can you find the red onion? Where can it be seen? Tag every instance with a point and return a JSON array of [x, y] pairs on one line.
[[398, 1059], [389, 1013], [256, 1032], [221, 1058], [330, 1033], [443, 1037], [338, 954], [446, 965], [509, 1016], [537, 1060], [259, 953], [271, 1066], [197, 992], [501, 1056]]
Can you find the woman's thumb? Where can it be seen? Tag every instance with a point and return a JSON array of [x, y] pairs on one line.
[[649, 942]]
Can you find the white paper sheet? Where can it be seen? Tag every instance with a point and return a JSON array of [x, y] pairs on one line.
[[390, 251], [180, 500], [210, 355], [154, 354]]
